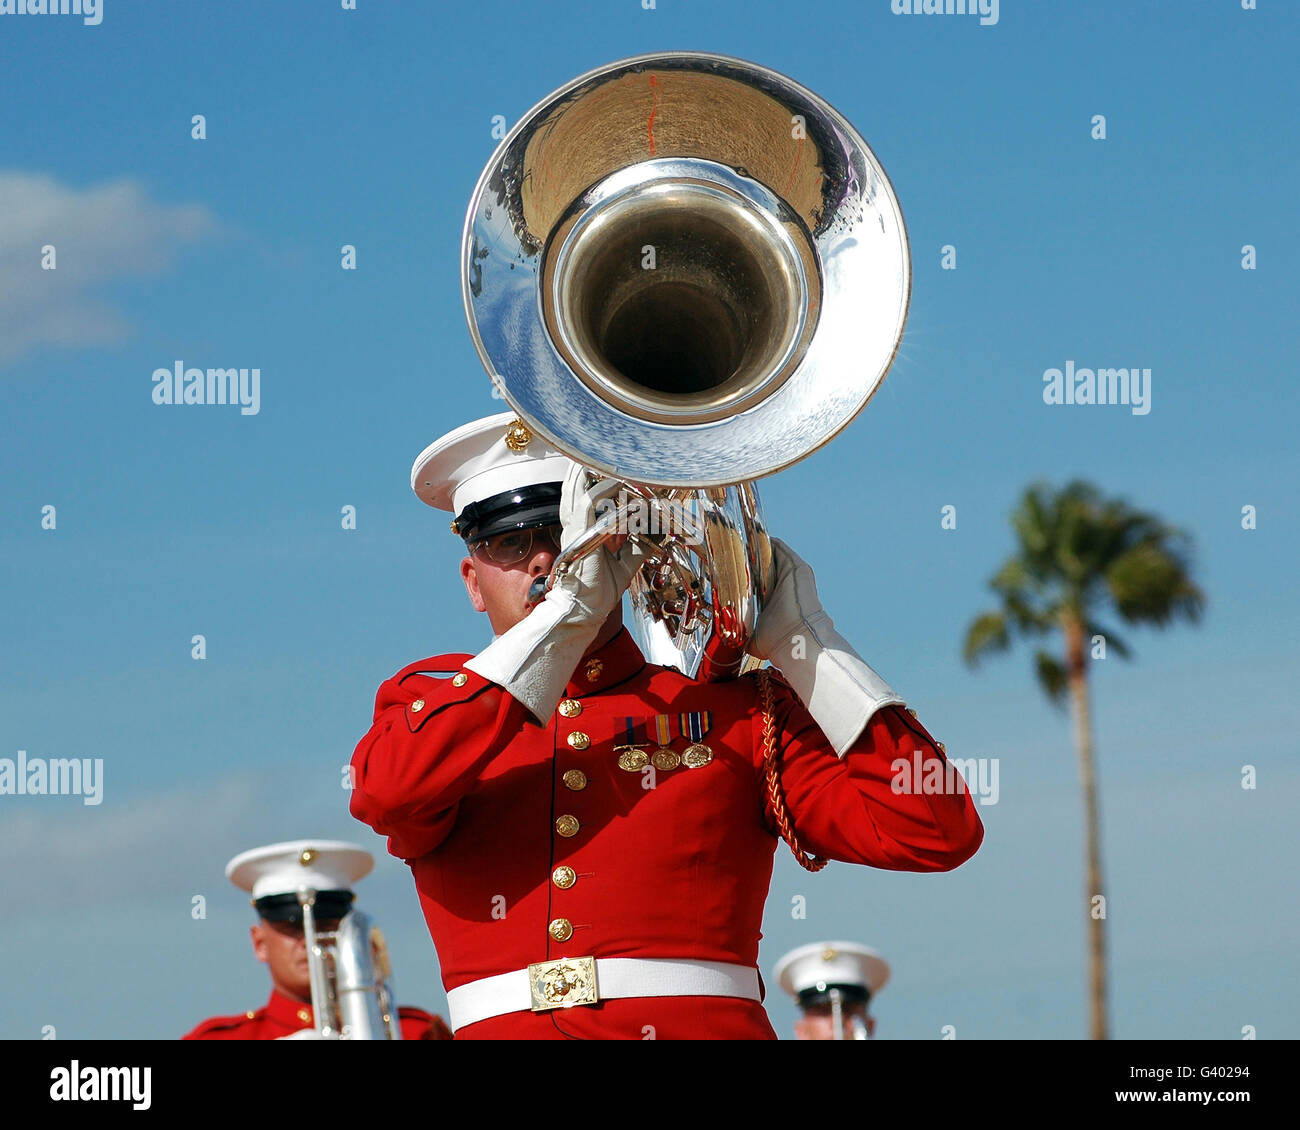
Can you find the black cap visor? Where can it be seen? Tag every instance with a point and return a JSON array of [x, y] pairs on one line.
[[526, 508], [329, 905], [821, 994]]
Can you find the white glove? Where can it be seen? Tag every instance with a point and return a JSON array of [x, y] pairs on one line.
[[306, 1034], [793, 631], [535, 659]]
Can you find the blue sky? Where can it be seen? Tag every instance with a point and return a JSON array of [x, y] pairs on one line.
[[327, 127]]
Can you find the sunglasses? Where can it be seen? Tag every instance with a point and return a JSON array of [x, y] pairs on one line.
[[516, 545]]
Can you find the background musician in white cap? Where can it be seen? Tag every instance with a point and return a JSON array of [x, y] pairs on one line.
[[833, 983], [273, 875], [591, 835]]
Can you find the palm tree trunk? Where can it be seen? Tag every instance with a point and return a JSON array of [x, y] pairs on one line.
[[1076, 666]]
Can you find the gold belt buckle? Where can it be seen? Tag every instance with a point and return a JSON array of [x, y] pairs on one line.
[[563, 983]]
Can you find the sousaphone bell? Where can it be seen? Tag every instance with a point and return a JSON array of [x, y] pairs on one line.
[[686, 271]]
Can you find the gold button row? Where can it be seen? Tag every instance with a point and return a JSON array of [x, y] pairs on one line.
[[575, 780], [561, 929]]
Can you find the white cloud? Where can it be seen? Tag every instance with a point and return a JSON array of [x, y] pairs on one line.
[[102, 233], [59, 852]]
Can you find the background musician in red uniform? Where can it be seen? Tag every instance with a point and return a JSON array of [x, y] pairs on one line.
[[592, 836], [273, 874]]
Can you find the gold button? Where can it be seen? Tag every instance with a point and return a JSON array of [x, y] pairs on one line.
[[575, 779], [460, 680], [567, 825], [564, 877], [633, 760], [570, 707], [250, 1014], [665, 758], [561, 929], [417, 706], [579, 740], [942, 748], [304, 1015], [911, 712]]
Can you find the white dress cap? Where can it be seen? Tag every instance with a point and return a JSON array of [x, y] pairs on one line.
[[482, 459], [284, 869], [831, 963]]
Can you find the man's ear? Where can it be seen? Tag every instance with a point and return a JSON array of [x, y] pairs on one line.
[[469, 575], [258, 933]]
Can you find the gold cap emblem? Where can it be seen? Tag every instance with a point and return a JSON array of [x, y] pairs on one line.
[[517, 435], [307, 856]]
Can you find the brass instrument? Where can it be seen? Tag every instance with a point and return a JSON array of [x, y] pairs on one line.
[[350, 994], [686, 271]]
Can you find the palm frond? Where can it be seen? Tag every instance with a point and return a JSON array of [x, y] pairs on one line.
[[986, 634], [1150, 584], [1051, 677]]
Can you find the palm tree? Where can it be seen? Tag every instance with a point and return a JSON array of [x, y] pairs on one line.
[[1076, 553]]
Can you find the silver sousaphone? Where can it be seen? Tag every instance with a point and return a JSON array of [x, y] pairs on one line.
[[686, 271]]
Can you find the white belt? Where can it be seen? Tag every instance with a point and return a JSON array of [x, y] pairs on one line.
[[571, 981]]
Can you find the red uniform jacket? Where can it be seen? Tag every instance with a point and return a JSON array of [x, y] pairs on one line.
[[471, 793], [281, 1016]]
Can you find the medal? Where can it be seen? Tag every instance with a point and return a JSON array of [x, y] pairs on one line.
[[632, 759], [696, 755], [665, 758]]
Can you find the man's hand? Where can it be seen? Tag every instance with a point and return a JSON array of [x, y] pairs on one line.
[[598, 580], [535, 659], [792, 605]]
